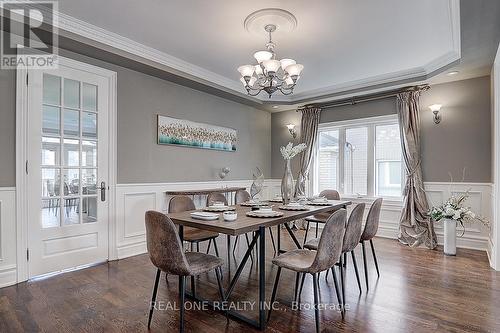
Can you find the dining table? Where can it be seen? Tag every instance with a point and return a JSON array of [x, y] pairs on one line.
[[256, 225]]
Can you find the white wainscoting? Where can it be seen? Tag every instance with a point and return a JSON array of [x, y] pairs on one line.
[[8, 271], [133, 200]]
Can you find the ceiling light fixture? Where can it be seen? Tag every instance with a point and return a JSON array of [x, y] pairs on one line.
[[452, 73], [270, 75]]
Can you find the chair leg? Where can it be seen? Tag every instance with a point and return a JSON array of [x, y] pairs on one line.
[[301, 285], [374, 257], [305, 235], [297, 277], [197, 246], [356, 270], [182, 296], [153, 298], [192, 247], [336, 284], [218, 274], [235, 243], [317, 227], [364, 263], [272, 240], [273, 296], [342, 285], [316, 302], [209, 244]]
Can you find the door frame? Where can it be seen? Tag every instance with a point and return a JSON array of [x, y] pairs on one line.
[[22, 165]]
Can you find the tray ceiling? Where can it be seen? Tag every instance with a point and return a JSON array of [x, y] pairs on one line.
[[343, 45]]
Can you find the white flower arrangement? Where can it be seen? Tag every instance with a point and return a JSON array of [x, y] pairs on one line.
[[289, 151], [454, 209]]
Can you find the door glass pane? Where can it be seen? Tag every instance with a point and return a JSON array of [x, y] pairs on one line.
[[71, 211], [50, 182], [51, 211], [71, 94], [89, 210], [89, 125], [89, 97], [51, 151], [51, 89], [356, 161], [51, 120], [71, 152], [388, 161], [328, 160], [89, 153], [71, 122], [72, 181], [89, 181]]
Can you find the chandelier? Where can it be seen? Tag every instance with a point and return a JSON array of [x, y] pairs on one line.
[[270, 75]]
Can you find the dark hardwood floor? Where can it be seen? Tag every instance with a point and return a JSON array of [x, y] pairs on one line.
[[419, 291]]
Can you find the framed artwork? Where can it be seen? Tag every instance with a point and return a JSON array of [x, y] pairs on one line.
[[179, 132]]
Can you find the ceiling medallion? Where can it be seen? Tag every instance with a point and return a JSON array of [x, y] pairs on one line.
[[270, 75]]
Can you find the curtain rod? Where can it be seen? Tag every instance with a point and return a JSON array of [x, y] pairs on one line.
[[365, 98]]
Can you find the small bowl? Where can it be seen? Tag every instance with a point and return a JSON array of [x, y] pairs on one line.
[[218, 204], [230, 216], [266, 209]]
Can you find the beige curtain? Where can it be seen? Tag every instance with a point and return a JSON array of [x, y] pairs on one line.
[[415, 227], [308, 135]]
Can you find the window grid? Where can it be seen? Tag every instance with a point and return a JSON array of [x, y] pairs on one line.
[[370, 152]]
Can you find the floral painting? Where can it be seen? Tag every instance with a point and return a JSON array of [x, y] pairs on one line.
[[173, 131]]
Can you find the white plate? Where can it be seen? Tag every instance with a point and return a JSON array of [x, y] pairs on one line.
[[267, 214], [205, 216], [294, 207], [218, 208]]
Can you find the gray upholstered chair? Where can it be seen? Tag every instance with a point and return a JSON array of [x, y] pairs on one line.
[[182, 203], [371, 228], [240, 197], [313, 262], [216, 197], [351, 240], [321, 217], [167, 254]]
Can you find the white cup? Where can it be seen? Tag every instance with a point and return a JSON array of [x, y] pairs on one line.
[[230, 216]]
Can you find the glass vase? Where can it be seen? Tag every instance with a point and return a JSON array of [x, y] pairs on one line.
[[287, 183]]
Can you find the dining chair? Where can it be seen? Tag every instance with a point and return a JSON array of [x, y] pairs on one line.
[[167, 255], [216, 197], [321, 217], [371, 228], [240, 197], [351, 240], [313, 262], [182, 203]]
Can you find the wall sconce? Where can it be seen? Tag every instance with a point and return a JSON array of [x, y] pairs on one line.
[[435, 109], [291, 129]]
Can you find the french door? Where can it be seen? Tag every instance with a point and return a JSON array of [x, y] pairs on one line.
[[67, 168]]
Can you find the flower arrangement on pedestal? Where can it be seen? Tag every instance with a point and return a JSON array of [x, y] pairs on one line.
[[451, 212]]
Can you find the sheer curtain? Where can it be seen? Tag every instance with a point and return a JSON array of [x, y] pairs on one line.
[[415, 227]]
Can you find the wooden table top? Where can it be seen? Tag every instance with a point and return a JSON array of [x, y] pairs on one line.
[[206, 191], [244, 224]]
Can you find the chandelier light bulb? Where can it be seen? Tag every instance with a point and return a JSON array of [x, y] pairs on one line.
[[287, 62], [258, 70], [271, 66], [246, 70], [294, 70], [261, 56], [290, 81]]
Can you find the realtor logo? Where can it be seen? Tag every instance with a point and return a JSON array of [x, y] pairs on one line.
[[29, 36]]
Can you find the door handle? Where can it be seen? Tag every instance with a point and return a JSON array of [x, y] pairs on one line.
[[103, 191]]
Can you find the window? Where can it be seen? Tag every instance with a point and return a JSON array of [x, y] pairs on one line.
[[359, 158]]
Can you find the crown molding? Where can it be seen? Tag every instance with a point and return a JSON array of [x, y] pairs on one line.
[[99, 35]]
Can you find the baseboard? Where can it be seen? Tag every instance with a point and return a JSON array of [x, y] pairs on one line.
[[8, 276], [131, 250]]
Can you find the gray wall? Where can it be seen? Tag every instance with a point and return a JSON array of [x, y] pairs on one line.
[[140, 160], [462, 140], [7, 128]]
